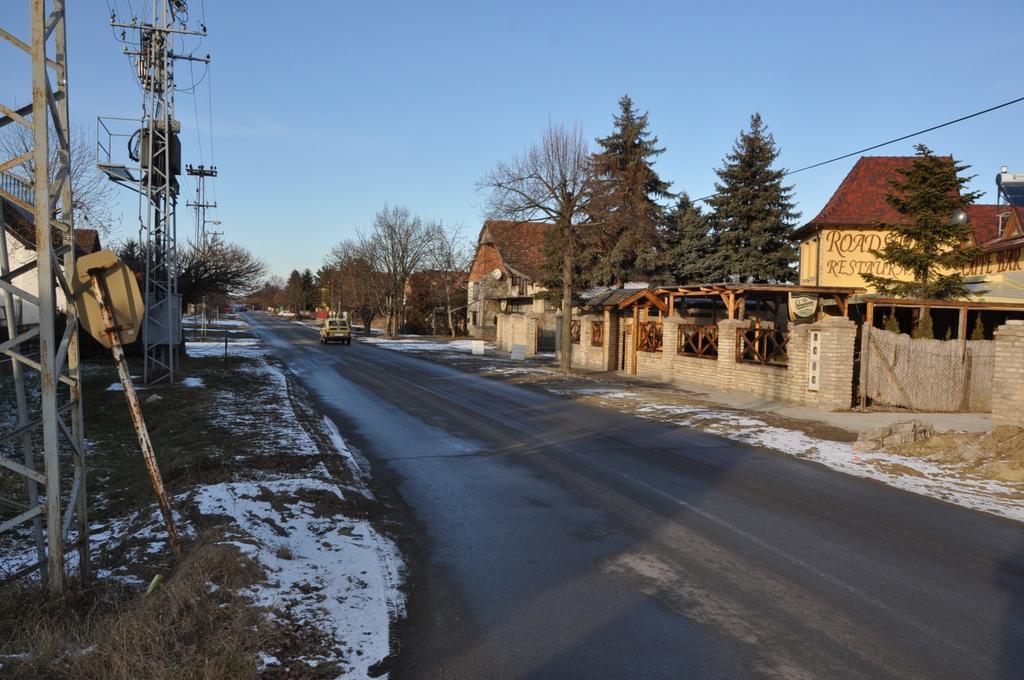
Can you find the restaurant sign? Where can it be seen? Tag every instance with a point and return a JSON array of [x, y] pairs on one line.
[[803, 306]]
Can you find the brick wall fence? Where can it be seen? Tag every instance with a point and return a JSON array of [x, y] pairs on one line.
[[832, 390], [1008, 378], [597, 347], [517, 329]]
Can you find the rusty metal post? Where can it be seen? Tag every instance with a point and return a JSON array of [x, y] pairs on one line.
[[99, 290]]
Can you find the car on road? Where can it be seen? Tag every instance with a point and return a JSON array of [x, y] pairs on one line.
[[336, 330]]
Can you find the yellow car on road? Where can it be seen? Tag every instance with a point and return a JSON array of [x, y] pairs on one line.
[[336, 330]]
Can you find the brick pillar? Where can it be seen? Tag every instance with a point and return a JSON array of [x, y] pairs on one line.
[[530, 335], [797, 368], [1008, 381], [726, 364], [727, 340], [835, 373], [669, 335]]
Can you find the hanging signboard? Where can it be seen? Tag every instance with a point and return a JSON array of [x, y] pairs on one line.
[[803, 306]]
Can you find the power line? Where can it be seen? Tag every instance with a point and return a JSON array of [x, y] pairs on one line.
[[891, 141]]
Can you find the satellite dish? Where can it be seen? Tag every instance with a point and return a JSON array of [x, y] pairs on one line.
[[496, 274]]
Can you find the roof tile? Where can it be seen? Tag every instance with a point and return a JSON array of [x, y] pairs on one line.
[[521, 244]]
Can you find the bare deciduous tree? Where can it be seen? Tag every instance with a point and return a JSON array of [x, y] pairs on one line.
[[221, 269], [92, 194], [271, 294], [396, 246], [449, 256], [551, 181], [356, 283]]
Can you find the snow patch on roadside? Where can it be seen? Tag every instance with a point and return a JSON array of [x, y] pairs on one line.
[[237, 347], [903, 472], [214, 322], [135, 535], [335, 574], [417, 345], [516, 370], [269, 412]]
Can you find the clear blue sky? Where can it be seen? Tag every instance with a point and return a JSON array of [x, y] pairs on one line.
[[323, 112]]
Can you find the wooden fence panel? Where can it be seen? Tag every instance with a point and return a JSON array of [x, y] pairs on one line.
[[928, 375]]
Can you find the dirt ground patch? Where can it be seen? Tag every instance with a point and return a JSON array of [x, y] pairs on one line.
[[998, 454]]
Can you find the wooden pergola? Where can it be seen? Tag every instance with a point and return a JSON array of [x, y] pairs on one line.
[[735, 296]]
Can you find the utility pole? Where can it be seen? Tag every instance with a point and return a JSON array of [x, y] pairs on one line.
[[201, 172], [157, 149], [35, 189]]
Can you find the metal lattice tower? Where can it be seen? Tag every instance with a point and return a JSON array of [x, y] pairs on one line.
[[35, 204], [201, 172], [158, 152]]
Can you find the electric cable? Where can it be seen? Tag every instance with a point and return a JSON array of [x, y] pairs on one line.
[[891, 141]]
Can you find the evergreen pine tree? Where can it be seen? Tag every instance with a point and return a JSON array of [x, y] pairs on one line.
[[753, 213], [626, 239], [978, 333], [930, 241], [924, 328], [310, 293], [892, 324], [690, 246]]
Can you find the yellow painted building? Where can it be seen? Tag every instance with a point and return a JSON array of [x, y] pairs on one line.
[[835, 246]]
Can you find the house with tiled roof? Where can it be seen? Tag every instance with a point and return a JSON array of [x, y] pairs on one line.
[[836, 245], [506, 274]]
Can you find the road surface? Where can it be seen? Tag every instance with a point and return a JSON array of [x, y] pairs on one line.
[[551, 539]]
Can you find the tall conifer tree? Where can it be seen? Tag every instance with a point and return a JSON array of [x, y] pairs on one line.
[[753, 213], [929, 247], [628, 217], [690, 246]]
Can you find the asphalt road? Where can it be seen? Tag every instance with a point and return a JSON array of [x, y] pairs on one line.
[[550, 539]]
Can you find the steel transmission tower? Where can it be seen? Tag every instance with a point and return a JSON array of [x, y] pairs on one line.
[[201, 173], [157, 148], [35, 203]]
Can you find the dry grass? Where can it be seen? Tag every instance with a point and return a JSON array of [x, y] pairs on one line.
[[193, 625]]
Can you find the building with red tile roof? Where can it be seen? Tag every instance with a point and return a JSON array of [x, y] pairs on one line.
[[836, 245], [506, 273]]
